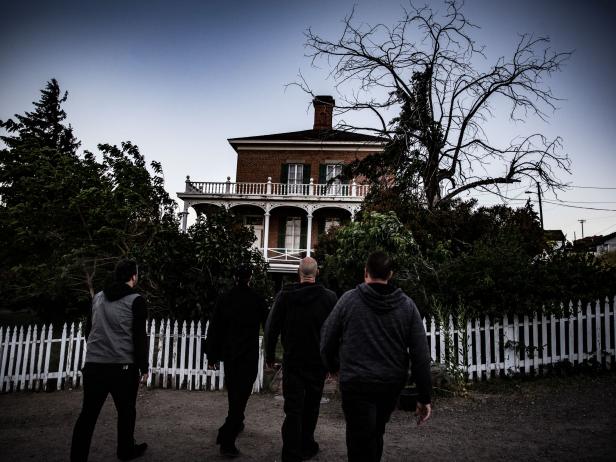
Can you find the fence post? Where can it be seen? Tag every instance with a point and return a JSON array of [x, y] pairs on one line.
[[509, 346], [199, 370]]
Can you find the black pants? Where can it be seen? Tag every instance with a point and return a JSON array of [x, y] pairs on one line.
[[98, 381], [366, 414], [302, 389], [239, 378]]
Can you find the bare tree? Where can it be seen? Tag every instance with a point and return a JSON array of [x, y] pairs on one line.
[[438, 145]]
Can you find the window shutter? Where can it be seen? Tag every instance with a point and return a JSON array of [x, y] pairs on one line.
[[321, 226], [306, 173], [303, 233], [322, 174], [282, 231], [284, 173]]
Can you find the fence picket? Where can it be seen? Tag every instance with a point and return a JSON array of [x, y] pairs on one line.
[[606, 324], [62, 352], [589, 342], [198, 373], [478, 349], [441, 336], [151, 352], [48, 344], [69, 356], [191, 344], [21, 377], [4, 345], [77, 361], [159, 352], [598, 349], [518, 346], [469, 350], [32, 357], [571, 355], [182, 355], [166, 354], [20, 343], [497, 347], [175, 355], [536, 344], [488, 343], [432, 337], [39, 364], [580, 331]]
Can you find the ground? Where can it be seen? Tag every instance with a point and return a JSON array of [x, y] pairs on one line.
[[544, 419]]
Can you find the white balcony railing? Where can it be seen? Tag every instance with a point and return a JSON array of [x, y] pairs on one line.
[[276, 189]]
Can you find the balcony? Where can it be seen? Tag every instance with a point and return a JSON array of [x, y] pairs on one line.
[[309, 191]]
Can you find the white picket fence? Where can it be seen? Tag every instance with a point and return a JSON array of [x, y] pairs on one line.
[[485, 348], [33, 359]]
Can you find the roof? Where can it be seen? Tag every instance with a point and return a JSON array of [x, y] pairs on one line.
[[554, 235], [314, 135]]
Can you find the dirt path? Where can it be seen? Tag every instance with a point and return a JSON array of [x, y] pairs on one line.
[[549, 419]]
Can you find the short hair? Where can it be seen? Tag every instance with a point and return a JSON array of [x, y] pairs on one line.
[[243, 273], [124, 270], [308, 267], [379, 265]]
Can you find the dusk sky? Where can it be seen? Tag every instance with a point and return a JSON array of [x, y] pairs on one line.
[[179, 78]]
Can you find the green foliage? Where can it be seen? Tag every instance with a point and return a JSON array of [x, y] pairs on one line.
[[65, 220], [344, 250]]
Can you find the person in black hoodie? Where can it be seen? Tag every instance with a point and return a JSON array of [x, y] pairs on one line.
[[298, 314], [233, 337], [369, 336], [116, 357]]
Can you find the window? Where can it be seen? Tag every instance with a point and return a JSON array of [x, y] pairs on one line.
[[293, 233], [295, 178], [331, 223], [331, 172]]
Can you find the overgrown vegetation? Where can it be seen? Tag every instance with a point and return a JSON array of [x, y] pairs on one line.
[[67, 217]]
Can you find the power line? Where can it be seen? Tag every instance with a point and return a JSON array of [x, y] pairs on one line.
[[588, 187], [578, 207]]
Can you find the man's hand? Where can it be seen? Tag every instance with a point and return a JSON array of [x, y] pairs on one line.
[[144, 378], [213, 366], [422, 412]]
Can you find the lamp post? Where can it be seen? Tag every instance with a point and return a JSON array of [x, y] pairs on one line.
[[540, 205]]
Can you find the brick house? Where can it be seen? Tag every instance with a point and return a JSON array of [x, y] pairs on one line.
[[284, 187]]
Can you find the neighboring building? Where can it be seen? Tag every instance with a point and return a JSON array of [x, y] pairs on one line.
[[284, 186], [605, 244], [555, 238]]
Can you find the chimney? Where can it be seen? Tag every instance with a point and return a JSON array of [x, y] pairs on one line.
[[323, 110]]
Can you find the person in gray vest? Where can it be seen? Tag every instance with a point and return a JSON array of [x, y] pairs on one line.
[[116, 359]]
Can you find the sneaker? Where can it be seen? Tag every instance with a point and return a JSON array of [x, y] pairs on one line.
[[138, 450], [310, 451], [229, 451]]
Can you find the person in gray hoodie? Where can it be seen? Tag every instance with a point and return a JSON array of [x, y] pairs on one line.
[[116, 358], [369, 337]]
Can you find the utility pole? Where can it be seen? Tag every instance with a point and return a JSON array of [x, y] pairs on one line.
[[582, 223], [540, 206]]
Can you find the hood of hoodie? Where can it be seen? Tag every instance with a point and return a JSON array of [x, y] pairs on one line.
[[303, 293], [117, 290], [380, 302]]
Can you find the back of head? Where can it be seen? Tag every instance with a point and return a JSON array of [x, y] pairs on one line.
[[379, 265], [243, 273], [124, 271], [308, 268]]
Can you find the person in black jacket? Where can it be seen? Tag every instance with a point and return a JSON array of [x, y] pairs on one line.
[[298, 314], [116, 357], [369, 335], [233, 337]]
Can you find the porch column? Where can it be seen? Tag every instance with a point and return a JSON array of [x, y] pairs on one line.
[[184, 217], [265, 233], [309, 235]]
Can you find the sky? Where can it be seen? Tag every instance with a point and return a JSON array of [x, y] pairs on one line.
[[180, 78]]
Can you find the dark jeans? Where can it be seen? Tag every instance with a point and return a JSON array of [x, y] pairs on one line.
[[302, 389], [99, 380], [239, 379], [366, 414]]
